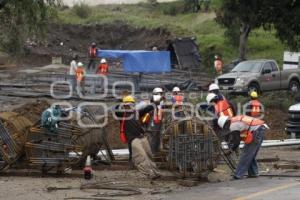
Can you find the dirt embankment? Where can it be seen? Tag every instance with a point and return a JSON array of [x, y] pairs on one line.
[[66, 39], [276, 119]]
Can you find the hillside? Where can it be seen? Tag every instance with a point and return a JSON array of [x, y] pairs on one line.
[[181, 23]]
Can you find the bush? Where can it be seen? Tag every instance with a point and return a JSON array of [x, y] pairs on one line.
[[82, 10], [170, 10]]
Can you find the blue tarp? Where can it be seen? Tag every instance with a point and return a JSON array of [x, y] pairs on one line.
[[140, 61]]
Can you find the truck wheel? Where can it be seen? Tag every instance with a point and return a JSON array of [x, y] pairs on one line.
[[294, 86], [254, 87]]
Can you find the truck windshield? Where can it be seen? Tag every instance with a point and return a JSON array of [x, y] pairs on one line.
[[248, 66]]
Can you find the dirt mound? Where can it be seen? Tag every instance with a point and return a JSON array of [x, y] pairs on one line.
[[33, 110], [113, 134], [276, 120], [77, 38]]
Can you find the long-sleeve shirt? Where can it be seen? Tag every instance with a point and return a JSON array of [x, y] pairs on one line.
[[73, 67]]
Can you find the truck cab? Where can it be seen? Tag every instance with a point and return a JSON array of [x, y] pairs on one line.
[[293, 123]]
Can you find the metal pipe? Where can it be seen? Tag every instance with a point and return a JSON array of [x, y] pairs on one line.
[[271, 143]]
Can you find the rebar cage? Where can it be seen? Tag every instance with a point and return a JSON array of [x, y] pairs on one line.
[[192, 146]]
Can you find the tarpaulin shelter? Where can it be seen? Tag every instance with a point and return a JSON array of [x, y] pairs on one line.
[[140, 61], [184, 53]]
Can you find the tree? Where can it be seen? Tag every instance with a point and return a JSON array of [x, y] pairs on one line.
[[19, 19], [241, 14], [284, 17], [245, 15]]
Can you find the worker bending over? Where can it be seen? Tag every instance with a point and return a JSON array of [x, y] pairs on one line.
[[254, 107], [50, 118], [132, 133], [251, 131]]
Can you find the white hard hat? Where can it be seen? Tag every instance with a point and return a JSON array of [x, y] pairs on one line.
[[176, 89], [210, 97], [213, 86], [103, 60], [80, 64], [222, 121], [157, 90]]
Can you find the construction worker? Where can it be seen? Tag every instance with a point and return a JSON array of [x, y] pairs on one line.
[[50, 118], [72, 72], [214, 88], [132, 133], [218, 65], [251, 131], [176, 97], [73, 65], [152, 120], [103, 67], [80, 76], [177, 100], [92, 57], [221, 105], [254, 107]]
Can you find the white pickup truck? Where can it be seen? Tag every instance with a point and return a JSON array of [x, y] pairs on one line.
[[260, 75]]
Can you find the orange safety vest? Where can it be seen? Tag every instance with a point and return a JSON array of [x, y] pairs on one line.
[[218, 65], [122, 130], [92, 52], [247, 135], [178, 99], [223, 108], [79, 74], [158, 114], [103, 69], [256, 108]]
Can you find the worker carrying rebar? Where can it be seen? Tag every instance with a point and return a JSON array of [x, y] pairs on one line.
[[103, 67], [50, 118], [251, 131], [254, 108], [80, 78], [92, 55], [132, 133]]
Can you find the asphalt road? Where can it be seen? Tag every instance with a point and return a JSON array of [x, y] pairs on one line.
[[262, 188]]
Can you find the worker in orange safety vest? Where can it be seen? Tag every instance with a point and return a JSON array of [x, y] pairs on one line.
[[103, 67], [80, 76], [92, 54], [222, 106], [254, 108], [249, 130]]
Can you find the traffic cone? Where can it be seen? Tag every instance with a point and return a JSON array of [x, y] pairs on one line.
[[88, 168]]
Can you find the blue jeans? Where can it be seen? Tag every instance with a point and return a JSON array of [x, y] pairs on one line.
[[247, 161]]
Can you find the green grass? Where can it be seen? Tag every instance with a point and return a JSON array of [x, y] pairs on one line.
[[209, 34]]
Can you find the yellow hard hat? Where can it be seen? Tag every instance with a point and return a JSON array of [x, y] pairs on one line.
[[128, 99], [253, 94]]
